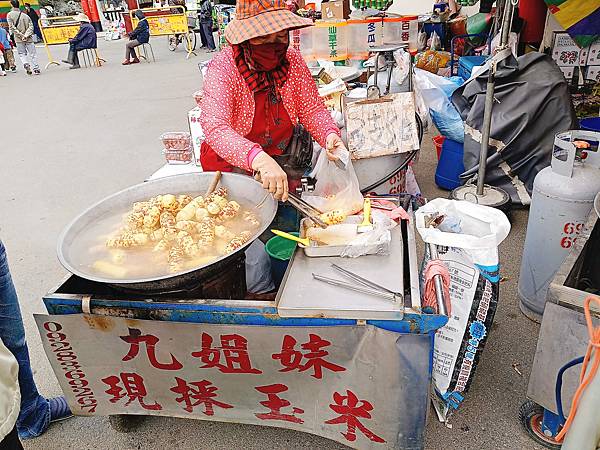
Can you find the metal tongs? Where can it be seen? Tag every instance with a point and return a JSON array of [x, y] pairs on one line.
[[364, 286], [307, 210]]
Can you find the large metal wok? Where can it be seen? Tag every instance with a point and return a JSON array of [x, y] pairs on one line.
[[241, 187]]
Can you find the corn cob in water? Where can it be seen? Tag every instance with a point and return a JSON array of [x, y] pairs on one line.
[[176, 231]]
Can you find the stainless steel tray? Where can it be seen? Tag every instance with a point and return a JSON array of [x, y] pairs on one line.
[[317, 251], [336, 250]]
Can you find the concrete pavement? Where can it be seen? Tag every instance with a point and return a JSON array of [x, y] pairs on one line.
[[71, 138]]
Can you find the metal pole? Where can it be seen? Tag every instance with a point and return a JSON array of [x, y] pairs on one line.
[[437, 279], [487, 124], [489, 98]]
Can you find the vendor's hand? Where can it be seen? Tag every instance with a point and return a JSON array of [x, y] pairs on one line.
[[333, 143], [272, 176]]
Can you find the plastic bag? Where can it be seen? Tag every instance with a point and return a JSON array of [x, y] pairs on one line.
[[436, 42], [402, 59], [335, 188], [435, 91], [432, 60], [469, 247], [376, 242], [422, 41]]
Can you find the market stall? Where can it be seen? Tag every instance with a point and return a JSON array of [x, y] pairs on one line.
[[343, 319], [317, 368], [192, 342]]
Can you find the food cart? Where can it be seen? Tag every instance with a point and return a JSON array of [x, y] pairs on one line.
[[322, 359], [349, 363]]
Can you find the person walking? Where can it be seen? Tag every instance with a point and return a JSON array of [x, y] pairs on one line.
[[36, 412], [35, 19], [9, 57], [206, 25], [21, 27], [84, 39], [139, 36]]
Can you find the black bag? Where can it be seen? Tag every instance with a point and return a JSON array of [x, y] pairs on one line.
[[298, 154]]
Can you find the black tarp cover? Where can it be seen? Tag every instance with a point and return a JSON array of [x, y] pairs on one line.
[[531, 104]]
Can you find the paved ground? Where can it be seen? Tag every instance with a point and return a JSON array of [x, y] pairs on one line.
[[72, 137]]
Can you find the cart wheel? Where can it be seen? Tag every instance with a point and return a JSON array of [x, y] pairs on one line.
[[124, 423], [173, 41], [530, 415], [192, 35]]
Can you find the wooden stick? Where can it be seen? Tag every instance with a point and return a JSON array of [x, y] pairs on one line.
[[214, 183]]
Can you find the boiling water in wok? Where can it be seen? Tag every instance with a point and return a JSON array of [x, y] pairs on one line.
[[90, 253], [83, 242]]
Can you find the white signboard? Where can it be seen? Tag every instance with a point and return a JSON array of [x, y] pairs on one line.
[[360, 385]]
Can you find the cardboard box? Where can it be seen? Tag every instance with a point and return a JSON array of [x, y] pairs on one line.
[[593, 73], [594, 54], [567, 53], [337, 9]]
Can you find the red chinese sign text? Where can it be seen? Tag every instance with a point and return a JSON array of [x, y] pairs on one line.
[[313, 356], [133, 388], [233, 349], [198, 393], [275, 403], [135, 338], [350, 408]]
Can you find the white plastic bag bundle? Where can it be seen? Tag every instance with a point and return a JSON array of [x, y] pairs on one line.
[[335, 189], [400, 72], [467, 241], [375, 242]]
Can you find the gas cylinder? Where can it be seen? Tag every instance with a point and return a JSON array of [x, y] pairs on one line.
[[562, 199]]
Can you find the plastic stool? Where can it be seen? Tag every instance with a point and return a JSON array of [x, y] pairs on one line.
[[144, 50], [91, 58]]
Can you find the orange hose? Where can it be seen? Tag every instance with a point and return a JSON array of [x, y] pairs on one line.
[[593, 349]]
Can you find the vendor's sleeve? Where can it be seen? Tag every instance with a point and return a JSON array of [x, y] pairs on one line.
[[311, 109], [79, 36], [217, 114]]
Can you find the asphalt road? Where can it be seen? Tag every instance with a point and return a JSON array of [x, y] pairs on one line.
[[70, 138]]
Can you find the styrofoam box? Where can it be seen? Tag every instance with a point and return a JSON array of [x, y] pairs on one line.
[[594, 54], [567, 72], [567, 53], [593, 73]]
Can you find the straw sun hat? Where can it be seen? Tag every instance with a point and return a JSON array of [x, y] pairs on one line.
[[81, 17], [254, 18]]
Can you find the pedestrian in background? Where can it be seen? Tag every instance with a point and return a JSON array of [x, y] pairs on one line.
[[21, 27], [206, 25], [84, 39], [139, 36], [9, 57], [36, 412], [35, 19]]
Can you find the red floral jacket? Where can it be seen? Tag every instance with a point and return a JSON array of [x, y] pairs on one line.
[[228, 107]]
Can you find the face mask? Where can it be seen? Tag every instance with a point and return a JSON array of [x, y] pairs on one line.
[[266, 57]]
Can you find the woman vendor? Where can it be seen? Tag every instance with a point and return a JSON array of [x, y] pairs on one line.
[[256, 91]]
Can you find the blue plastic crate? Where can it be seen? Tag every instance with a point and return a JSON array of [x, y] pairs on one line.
[[450, 165], [466, 64]]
